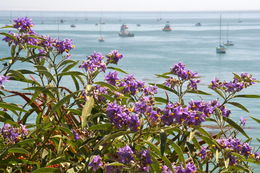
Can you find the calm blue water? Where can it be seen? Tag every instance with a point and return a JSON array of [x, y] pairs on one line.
[[152, 51]]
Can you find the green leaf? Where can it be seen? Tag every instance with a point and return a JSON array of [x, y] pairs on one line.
[[163, 138], [8, 35], [71, 73], [104, 84], [238, 105], [236, 126], [164, 87], [257, 120], [11, 107], [219, 92], [248, 96], [115, 164], [63, 101], [86, 111], [18, 150], [179, 151], [117, 69], [160, 99], [198, 92], [47, 170], [100, 127]]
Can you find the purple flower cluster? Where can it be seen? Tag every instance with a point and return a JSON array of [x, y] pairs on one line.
[[235, 145], [131, 85], [121, 117], [145, 160], [94, 62], [99, 92], [190, 168], [125, 154], [112, 77], [76, 135], [28, 37], [3, 79], [13, 134], [150, 90], [113, 57], [237, 84], [194, 114], [23, 24], [96, 163], [181, 71]]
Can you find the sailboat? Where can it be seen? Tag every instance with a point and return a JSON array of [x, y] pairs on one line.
[[228, 43], [101, 38], [221, 48]]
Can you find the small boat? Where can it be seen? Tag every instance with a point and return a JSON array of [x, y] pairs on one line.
[[61, 21], [72, 26], [101, 39], [228, 43], [221, 48], [124, 32], [138, 25], [198, 24], [167, 28]]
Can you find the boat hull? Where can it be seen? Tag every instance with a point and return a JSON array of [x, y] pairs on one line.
[[220, 50], [126, 35]]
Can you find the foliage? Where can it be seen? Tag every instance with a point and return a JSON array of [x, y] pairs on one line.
[[66, 121]]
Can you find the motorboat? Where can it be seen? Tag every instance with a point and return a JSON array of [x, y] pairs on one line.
[[124, 31]]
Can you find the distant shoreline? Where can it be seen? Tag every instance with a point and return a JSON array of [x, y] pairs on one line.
[[96, 11]]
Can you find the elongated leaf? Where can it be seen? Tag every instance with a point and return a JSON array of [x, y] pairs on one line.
[[219, 92], [63, 101], [46, 170], [163, 138], [239, 106], [118, 69], [164, 87], [70, 66], [11, 107], [8, 35], [199, 92], [101, 127], [179, 151], [18, 150], [70, 73], [248, 96], [160, 99], [236, 126], [257, 120], [115, 164], [86, 112], [104, 84]]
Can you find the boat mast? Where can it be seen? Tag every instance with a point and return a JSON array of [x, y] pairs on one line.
[[227, 32], [220, 30], [100, 27]]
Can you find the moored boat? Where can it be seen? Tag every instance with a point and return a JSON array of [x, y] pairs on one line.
[[124, 31], [167, 28]]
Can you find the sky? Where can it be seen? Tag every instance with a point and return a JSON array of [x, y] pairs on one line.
[[130, 5]]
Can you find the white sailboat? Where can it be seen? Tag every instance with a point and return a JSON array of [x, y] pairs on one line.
[[221, 48], [228, 43]]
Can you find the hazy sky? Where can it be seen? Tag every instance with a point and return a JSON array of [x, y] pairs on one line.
[[130, 5]]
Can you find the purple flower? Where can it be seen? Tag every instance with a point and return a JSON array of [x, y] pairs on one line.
[[181, 71], [94, 62], [193, 84], [13, 134], [63, 46], [133, 123], [243, 121], [125, 154], [118, 115], [150, 90], [131, 85], [203, 153], [112, 77], [99, 92], [257, 155], [76, 135], [96, 163], [190, 168], [112, 169], [165, 169], [114, 56], [145, 157], [4, 79], [23, 24]]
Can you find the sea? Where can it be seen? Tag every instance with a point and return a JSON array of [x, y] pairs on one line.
[[152, 51]]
